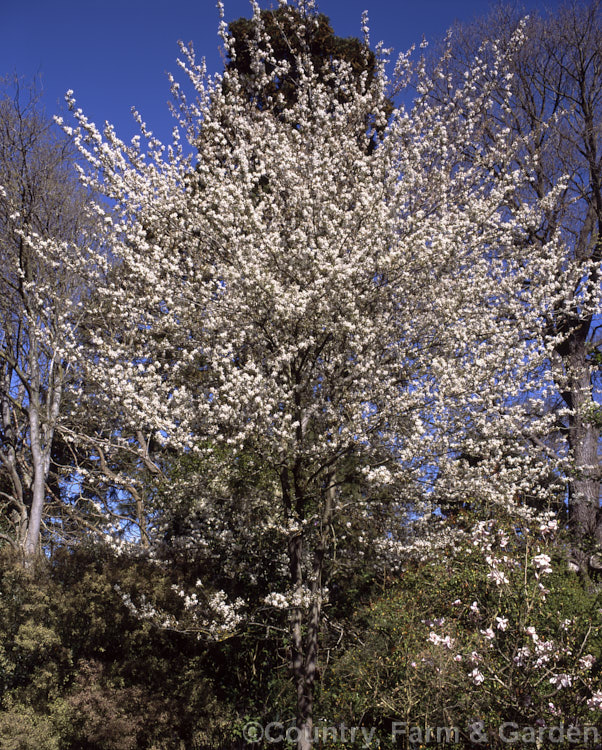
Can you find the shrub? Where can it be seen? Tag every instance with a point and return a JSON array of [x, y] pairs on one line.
[[497, 630]]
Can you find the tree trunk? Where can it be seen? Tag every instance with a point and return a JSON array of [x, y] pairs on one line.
[[304, 689], [38, 485], [32, 540], [41, 434], [584, 493], [304, 657]]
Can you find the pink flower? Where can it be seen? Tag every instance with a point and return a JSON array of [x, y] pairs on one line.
[[521, 656], [531, 631], [497, 577], [595, 702], [587, 661]]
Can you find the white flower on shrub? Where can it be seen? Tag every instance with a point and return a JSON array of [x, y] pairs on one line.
[[477, 677], [595, 702], [277, 600], [561, 680], [543, 563]]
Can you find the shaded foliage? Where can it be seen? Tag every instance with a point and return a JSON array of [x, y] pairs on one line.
[[78, 670]]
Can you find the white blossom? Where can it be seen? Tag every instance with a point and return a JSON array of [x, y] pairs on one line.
[[477, 677]]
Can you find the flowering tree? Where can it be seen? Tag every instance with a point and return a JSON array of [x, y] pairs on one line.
[[555, 117], [291, 298]]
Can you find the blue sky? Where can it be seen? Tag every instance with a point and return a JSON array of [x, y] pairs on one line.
[[115, 54]]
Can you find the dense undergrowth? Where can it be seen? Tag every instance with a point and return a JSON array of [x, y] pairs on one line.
[[498, 631]]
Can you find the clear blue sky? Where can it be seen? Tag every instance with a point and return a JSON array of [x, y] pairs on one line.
[[115, 54]]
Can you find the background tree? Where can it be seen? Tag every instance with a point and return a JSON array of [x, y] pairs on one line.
[[290, 40], [41, 206], [555, 115]]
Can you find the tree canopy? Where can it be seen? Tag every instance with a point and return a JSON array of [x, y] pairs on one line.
[[314, 370]]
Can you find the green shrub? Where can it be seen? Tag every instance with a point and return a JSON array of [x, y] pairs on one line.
[[497, 630], [21, 728]]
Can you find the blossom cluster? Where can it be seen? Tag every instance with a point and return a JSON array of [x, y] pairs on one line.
[[505, 638], [325, 285]]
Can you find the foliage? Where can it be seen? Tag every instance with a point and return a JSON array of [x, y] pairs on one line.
[[497, 629], [290, 39], [77, 670], [287, 34], [21, 728]]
